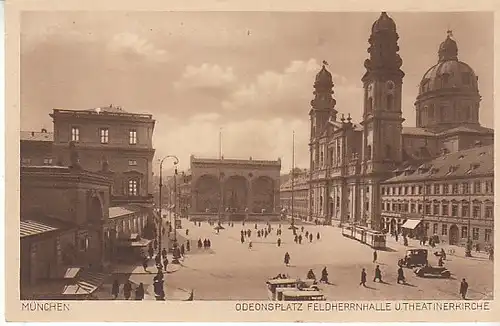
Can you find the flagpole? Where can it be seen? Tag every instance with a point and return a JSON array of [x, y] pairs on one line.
[[293, 175]]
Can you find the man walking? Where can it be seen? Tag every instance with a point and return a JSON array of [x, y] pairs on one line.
[[363, 278], [464, 286], [401, 276], [375, 256], [378, 274]]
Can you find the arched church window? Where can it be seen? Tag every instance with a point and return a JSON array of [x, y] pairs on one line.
[[369, 152], [430, 112], [369, 105], [390, 100]]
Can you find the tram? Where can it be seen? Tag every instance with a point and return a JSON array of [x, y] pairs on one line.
[[372, 238]]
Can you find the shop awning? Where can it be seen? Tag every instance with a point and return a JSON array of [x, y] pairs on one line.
[[411, 224]]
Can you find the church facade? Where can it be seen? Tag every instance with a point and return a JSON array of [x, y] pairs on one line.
[[349, 162]]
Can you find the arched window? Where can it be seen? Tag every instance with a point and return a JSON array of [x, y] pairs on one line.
[[390, 100], [369, 152], [369, 105]]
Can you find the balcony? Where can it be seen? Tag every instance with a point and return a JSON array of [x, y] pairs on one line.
[[125, 199]]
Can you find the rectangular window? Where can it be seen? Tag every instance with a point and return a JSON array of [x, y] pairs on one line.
[[420, 190], [444, 229], [428, 189], [406, 207], [75, 134], [445, 209], [436, 189], [434, 228], [436, 209], [475, 233], [477, 187], [47, 161], [401, 191], [476, 211], [104, 135], [412, 207], [132, 162], [465, 187], [132, 187], [489, 186], [464, 232], [445, 189], [487, 235], [132, 136], [454, 189], [25, 161], [406, 191], [427, 209], [465, 210], [420, 208], [454, 210], [412, 190], [488, 212]]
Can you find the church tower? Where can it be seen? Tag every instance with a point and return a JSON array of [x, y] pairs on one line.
[[322, 110], [382, 116]]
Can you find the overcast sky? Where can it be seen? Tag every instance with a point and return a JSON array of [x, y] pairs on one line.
[[249, 73]]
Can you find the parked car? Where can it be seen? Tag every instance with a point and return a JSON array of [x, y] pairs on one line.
[[432, 270]]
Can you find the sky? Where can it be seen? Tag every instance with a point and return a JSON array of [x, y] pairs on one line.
[[249, 74]]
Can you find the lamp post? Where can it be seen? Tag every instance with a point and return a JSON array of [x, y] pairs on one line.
[[160, 201]]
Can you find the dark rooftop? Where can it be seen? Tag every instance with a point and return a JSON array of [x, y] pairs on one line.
[[471, 162], [37, 136]]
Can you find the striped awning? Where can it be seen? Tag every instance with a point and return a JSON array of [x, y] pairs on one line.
[[87, 284], [30, 228]]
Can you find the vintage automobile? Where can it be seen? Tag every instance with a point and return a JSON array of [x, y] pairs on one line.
[[432, 270], [288, 283], [414, 258]]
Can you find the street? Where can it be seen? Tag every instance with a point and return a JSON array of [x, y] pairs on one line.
[[232, 271]]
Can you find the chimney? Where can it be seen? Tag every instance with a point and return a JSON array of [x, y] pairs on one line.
[[32, 134]]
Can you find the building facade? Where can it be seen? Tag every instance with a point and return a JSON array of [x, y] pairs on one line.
[[451, 197], [239, 186], [300, 190], [36, 148], [350, 161], [113, 142]]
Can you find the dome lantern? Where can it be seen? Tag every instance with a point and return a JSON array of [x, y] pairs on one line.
[[448, 50]]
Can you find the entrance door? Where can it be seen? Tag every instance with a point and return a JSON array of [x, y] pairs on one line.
[[453, 239]]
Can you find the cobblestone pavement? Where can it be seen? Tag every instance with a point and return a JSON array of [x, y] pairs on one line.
[[233, 271]]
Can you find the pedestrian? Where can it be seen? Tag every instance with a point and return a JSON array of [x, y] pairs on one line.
[[375, 256], [183, 250], [317, 236], [165, 263], [477, 247], [324, 276], [300, 239], [279, 242], [464, 286], [139, 292], [127, 290], [158, 259], [242, 238], [401, 276], [378, 274], [200, 244], [363, 278], [396, 237], [150, 251], [164, 253], [287, 259], [250, 245], [115, 289], [209, 243], [310, 275], [307, 232], [187, 231], [188, 245], [255, 226], [310, 237], [302, 229], [145, 264], [296, 239]]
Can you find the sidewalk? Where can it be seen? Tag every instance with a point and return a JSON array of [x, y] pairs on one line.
[[138, 269]]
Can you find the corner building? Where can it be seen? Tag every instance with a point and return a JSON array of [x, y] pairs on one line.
[[112, 142], [350, 161]]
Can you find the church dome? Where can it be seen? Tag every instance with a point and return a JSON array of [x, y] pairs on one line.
[[384, 22], [449, 73], [323, 77]]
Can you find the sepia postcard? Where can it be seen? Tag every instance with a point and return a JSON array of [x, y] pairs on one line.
[[249, 161]]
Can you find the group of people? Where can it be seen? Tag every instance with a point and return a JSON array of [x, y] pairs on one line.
[[324, 276], [127, 290], [205, 244]]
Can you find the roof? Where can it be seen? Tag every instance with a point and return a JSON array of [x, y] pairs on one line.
[[109, 108], [470, 129], [476, 161], [37, 136], [416, 131], [31, 227], [119, 211]]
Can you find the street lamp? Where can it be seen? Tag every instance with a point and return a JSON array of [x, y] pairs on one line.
[[160, 200]]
